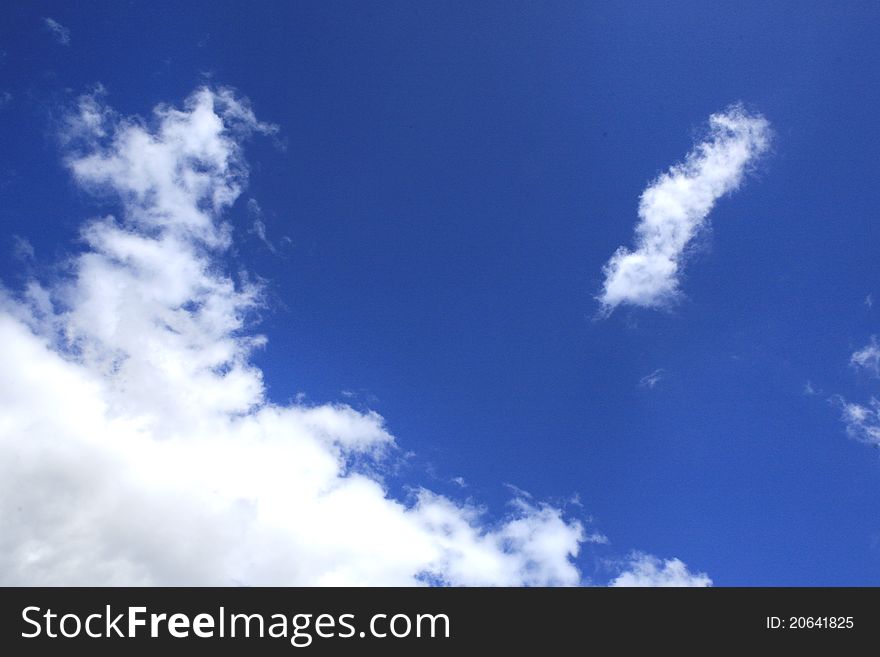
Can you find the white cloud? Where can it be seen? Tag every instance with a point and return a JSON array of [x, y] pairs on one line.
[[652, 379], [61, 33], [862, 421], [868, 357], [139, 446], [675, 206], [648, 570]]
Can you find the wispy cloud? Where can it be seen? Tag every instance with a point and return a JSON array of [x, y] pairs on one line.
[[675, 206], [647, 570], [258, 227], [868, 357], [61, 33], [862, 421], [22, 249], [652, 379]]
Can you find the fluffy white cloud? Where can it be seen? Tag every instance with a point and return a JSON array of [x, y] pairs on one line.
[[138, 444], [61, 33], [675, 206], [647, 570]]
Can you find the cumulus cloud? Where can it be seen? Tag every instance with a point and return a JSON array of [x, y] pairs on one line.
[[647, 570], [58, 31], [675, 206], [139, 445]]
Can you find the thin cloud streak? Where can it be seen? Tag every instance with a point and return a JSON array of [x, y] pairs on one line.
[[652, 379], [58, 31]]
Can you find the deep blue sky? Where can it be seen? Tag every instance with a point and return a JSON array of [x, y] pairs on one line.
[[454, 177]]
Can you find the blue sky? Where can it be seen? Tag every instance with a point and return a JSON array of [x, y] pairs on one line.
[[446, 184]]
